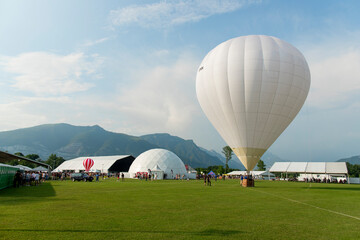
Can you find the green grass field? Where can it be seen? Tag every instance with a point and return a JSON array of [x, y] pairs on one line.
[[180, 210]]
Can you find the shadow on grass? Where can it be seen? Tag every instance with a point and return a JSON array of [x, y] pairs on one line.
[[207, 232], [26, 194]]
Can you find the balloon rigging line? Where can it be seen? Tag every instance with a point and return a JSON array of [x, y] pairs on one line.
[[309, 205]]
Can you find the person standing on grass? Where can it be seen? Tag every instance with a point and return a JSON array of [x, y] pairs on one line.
[[97, 176], [122, 177], [32, 178], [37, 178], [205, 179], [17, 179], [208, 180]]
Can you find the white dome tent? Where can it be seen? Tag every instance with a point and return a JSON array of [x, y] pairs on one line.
[[159, 160]]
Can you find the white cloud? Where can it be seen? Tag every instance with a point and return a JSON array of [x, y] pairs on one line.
[[163, 99], [95, 42], [335, 79], [169, 13], [50, 74], [27, 112]]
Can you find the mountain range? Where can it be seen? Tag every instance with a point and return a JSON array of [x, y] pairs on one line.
[[70, 141], [352, 160]]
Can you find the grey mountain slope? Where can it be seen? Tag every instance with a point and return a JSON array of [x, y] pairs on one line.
[[71, 141], [351, 160], [187, 150]]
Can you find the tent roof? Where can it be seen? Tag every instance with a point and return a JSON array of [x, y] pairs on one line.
[[100, 163], [6, 157], [256, 173], [156, 168], [211, 173], [310, 167], [297, 167], [22, 167], [40, 168], [6, 165]]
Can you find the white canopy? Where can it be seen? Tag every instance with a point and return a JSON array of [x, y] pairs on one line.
[[40, 168], [101, 163], [24, 168], [6, 165], [162, 159], [310, 167], [255, 173]]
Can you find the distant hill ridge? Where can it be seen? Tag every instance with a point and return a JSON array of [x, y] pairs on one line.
[[71, 141], [352, 160]]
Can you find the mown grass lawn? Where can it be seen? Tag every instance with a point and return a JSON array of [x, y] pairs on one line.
[[180, 210]]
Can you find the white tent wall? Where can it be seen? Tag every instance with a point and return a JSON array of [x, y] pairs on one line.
[[354, 180], [191, 175]]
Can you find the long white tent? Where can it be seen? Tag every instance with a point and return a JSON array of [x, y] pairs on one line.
[[104, 164], [310, 167], [256, 174]]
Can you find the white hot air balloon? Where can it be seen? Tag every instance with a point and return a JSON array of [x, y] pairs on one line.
[[251, 88]]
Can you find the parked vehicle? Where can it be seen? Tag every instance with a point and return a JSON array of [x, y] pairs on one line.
[[81, 177]]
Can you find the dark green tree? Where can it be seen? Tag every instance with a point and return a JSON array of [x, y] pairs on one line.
[[228, 152], [261, 165], [54, 160], [353, 169], [33, 157]]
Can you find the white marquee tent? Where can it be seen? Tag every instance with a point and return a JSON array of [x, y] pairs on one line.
[[317, 170], [159, 160], [256, 174], [104, 164], [310, 167]]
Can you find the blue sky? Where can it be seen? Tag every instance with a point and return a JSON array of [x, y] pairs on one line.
[[130, 66]]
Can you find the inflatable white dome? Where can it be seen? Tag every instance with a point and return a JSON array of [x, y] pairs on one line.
[[158, 159]]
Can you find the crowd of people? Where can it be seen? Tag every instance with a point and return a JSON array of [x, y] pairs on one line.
[[325, 180], [146, 175], [29, 178]]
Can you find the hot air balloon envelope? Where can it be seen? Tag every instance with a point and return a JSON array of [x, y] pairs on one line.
[[88, 163], [251, 88]]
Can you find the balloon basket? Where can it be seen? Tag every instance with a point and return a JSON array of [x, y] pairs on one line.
[[248, 182]]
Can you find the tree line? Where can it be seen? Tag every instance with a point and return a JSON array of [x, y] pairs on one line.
[[353, 169], [219, 169], [53, 160]]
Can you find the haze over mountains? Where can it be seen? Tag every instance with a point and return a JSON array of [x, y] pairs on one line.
[[70, 141]]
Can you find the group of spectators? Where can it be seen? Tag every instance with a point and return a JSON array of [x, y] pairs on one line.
[[146, 176], [29, 178], [325, 180]]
